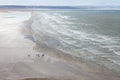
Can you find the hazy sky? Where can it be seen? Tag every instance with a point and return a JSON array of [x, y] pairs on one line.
[[60, 2]]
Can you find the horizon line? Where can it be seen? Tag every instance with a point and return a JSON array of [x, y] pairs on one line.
[[63, 5]]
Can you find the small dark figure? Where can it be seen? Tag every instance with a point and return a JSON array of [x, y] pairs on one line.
[[38, 55], [28, 55], [43, 55]]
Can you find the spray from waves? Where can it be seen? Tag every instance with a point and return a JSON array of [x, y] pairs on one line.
[[55, 31]]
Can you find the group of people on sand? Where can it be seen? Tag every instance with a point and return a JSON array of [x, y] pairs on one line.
[[38, 55]]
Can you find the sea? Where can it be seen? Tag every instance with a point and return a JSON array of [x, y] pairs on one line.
[[92, 35]]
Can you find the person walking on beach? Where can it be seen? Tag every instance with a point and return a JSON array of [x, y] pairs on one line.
[[38, 55], [28, 55], [43, 55]]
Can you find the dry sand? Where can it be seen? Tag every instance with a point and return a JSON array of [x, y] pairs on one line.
[[18, 59]]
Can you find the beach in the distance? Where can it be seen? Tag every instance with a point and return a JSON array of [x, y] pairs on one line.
[[33, 48]]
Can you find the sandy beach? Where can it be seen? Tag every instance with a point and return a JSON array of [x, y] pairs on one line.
[[20, 59]]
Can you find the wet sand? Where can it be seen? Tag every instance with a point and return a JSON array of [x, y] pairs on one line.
[[19, 58]]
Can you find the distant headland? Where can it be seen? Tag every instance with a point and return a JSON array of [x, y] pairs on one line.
[[60, 7]]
